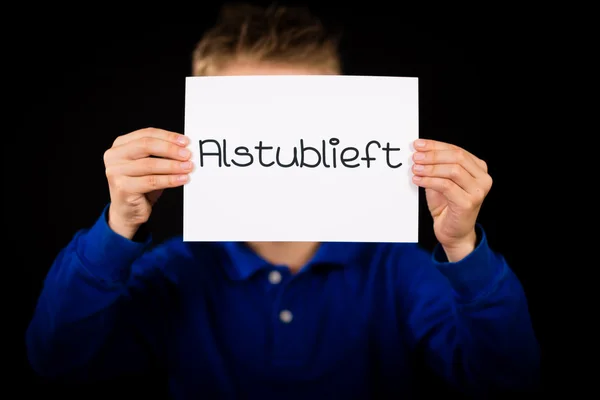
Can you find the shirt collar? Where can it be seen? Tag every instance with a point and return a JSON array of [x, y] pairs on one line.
[[244, 262]]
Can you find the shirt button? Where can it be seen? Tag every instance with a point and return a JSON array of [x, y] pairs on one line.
[[274, 277], [286, 316]]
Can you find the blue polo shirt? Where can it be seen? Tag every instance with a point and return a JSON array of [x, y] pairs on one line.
[[224, 323]]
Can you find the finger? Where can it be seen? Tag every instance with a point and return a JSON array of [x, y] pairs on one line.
[[146, 147], [173, 137], [149, 183], [450, 190], [433, 145], [454, 172], [428, 145], [150, 166], [449, 156]]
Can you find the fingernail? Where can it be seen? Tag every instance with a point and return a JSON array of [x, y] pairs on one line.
[[182, 140], [416, 178], [184, 153], [419, 143], [419, 167], [419, 156], [186, 165], [182, 178]]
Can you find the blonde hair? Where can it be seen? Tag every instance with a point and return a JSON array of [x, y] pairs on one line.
[[290, 35]]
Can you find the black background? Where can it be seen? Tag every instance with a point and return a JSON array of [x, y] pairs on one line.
[[99, 74]]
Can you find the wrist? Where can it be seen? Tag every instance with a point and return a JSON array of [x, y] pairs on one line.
[[120, 227], [461, 249]]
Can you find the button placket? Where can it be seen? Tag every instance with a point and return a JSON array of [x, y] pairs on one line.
[[287, 314]]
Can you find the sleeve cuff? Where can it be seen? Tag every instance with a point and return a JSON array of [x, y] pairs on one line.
[[473, 275], [108, 256]]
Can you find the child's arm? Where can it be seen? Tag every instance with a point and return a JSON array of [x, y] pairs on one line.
[[469, 319]]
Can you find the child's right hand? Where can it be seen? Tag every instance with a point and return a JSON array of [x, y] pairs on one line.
[[139, 166]]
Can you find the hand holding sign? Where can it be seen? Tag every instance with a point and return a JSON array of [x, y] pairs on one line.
[[139, 166], [456, 183]]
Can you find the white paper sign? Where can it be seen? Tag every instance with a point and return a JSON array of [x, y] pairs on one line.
[[301, 158]]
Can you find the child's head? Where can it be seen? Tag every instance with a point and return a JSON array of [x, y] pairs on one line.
[[250, 40]]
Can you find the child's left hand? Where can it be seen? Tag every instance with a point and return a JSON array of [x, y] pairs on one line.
[[456, 183]]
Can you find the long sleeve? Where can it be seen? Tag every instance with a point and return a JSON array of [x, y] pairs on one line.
[[470, 320], [92, 310]]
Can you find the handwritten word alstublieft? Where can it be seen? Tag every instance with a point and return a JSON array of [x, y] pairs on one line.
[[328, 154]]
